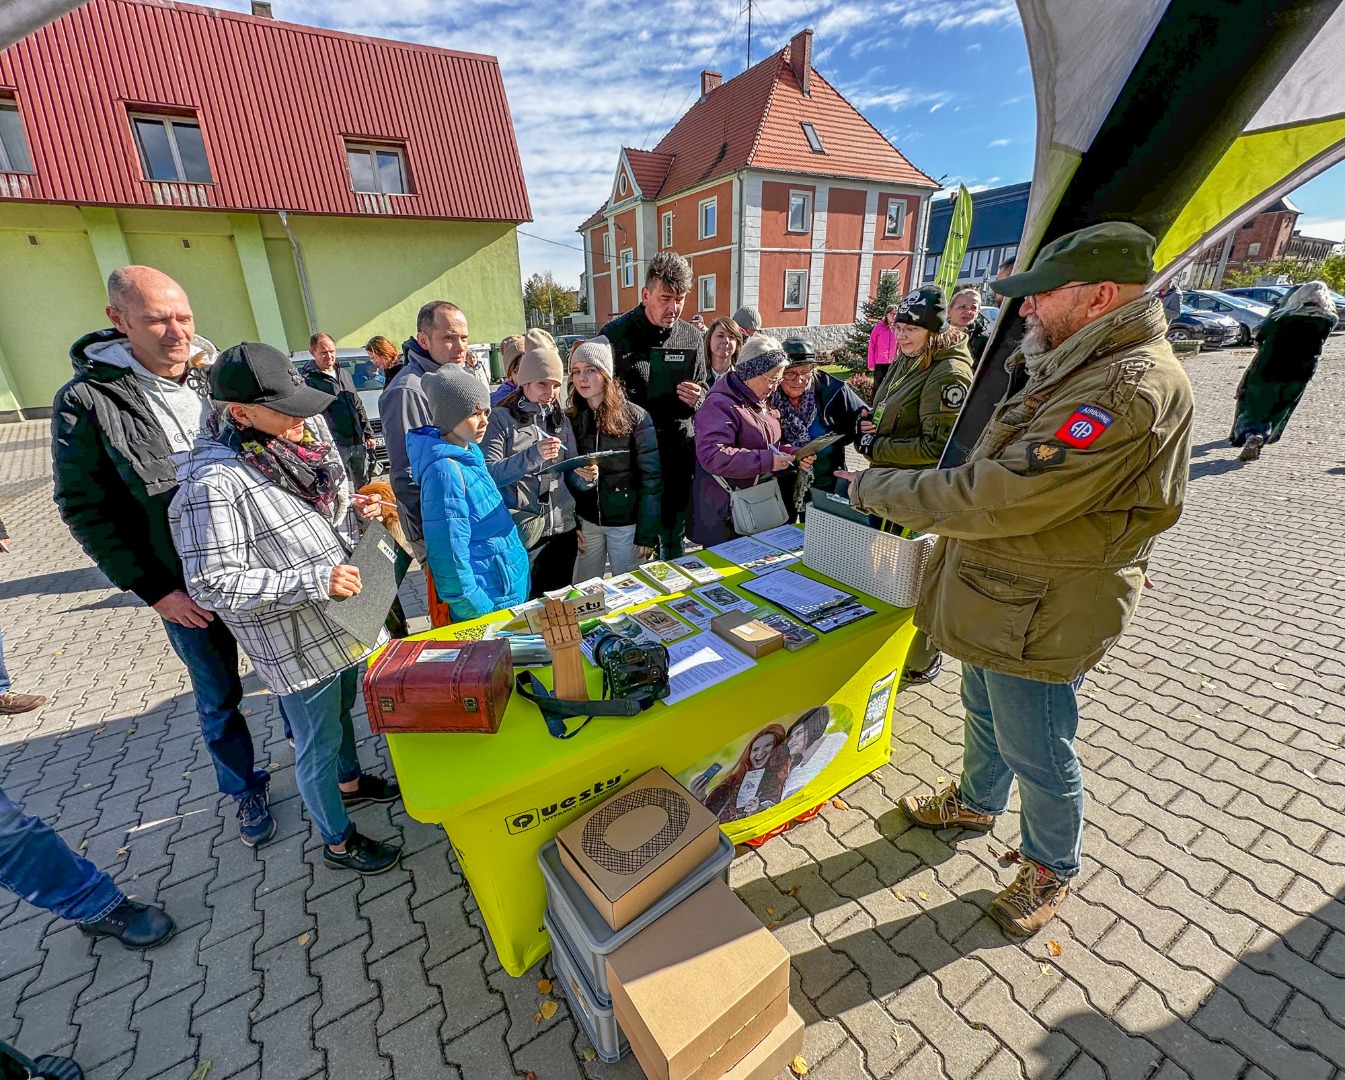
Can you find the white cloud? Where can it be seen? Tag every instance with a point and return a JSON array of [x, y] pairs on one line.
[[999, 142], [582, 83]]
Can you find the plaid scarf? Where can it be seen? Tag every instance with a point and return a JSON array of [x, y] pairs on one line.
[[309, 470]]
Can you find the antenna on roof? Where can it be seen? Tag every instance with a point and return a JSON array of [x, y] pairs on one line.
[[748, 5]]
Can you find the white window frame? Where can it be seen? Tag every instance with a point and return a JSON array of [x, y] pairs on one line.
[[607, 247], [965, 268], [665, 233], [6, 164], [168, 120], [627, 268], [713, 206], [1253, 250], [931, 266], [622, 184], [373, 149], [885, 274], [814, 139], [803, 290], [705, 297], [807, 227], [895, 204], [982, 260]]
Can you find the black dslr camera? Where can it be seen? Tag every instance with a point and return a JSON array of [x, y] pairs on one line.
[[629, 669]]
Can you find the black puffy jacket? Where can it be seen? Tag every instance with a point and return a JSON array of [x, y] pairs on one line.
[[630, 486], [114, 473]]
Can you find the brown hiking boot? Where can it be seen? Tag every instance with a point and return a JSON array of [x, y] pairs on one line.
[[945, 810], [1030, 902], [12, 704]]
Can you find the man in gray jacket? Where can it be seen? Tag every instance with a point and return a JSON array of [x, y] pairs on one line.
[[441, 338]]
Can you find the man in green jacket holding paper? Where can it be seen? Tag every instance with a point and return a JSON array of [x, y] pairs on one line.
[[1045, 534]]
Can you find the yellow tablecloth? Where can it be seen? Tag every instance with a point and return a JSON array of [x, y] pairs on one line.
[[501, 797]]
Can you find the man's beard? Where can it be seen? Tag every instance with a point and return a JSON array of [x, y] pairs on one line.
[[1037, 341]]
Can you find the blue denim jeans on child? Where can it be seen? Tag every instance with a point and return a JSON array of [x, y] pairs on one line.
[[211, 657], [324, 748], [36, 864], [1025, 728]]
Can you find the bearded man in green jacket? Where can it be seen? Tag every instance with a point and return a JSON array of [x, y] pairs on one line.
[[1044, 537]]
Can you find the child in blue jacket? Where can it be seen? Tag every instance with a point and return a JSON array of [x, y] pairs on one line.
[[477, 560]]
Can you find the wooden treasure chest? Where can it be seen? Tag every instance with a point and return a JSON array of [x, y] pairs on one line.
[[439, 686]]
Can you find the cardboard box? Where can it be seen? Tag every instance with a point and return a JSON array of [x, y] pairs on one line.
[[696, 991], [746, 634], [773, 1054], [633, 849]]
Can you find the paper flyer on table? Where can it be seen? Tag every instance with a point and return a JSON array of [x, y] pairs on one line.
[[700, 662], [751, 554], [797, 593], [724, 599], [788, 538]]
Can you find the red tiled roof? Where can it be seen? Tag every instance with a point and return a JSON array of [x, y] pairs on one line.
[[275, 102], [753, 121], [649, 169], [593, 218]]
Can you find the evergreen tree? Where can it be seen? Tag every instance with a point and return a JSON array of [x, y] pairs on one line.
[[854, 351]]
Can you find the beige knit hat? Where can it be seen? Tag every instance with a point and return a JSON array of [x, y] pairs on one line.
[[511, 348], [540, 359]]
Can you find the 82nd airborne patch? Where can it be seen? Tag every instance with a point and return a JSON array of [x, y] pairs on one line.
[[1083, 428]]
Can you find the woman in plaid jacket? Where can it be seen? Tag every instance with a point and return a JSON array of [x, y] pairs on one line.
[[263, 521]]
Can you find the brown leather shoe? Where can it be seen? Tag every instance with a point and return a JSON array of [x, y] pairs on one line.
[[945, 810], [12, 704], [1030, 902]]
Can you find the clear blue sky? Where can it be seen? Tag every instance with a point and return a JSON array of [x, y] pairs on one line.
[[946, 80]]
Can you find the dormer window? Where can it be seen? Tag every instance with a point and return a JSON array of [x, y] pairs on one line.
[[14, 155], [171, 148], [814, 140]]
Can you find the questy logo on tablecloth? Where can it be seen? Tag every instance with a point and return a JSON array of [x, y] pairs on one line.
[[524, 820]]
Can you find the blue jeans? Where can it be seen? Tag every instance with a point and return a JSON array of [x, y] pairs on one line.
[[1025, 728], [36, 864], [211, 657], [4, 672], [324, 748]]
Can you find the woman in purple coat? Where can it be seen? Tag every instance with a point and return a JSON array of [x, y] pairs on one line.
[[737, 438]]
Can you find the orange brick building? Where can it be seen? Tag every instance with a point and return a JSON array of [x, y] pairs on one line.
[[779, 193]]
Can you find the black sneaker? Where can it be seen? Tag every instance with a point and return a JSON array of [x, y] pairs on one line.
[[255, 823], [372, 789], [363, 855], [135, 925], [928, 675]]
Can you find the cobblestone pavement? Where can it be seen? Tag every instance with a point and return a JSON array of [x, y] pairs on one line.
[[1206, 939]]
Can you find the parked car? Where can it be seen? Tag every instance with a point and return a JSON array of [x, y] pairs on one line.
[[369, 382], [566, 342], [1269, 295], [1247, 312], [1211, 330]]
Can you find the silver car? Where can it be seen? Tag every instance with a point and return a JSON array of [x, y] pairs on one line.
[[1240, 309]]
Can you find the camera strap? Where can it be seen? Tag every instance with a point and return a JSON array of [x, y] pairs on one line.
[[555, 711]]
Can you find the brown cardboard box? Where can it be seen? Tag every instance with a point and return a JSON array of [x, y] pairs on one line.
[[773, 1054], [746, 634], [696, 991], [633, 849]]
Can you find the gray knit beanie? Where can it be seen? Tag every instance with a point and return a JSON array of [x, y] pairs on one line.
[[749, 318], [596, 351], [453, 394], [760, 354]]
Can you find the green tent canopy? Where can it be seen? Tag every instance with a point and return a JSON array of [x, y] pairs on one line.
[[1185, 117]]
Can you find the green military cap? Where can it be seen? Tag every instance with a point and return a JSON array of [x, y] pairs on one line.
[[1112, 251]]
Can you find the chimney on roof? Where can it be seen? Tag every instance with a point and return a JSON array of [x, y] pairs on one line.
[[801, 60], [709, 80], [262, 9]]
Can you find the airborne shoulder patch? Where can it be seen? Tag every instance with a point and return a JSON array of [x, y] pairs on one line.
[[1083, 428], [1042, 455], [953, 395]]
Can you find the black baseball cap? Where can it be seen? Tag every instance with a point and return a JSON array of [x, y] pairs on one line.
[[800, 351], [253, 373], [1111, 251]]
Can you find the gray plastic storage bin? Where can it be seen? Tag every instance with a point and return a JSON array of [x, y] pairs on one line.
[[593, 1011], [587, 933]]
